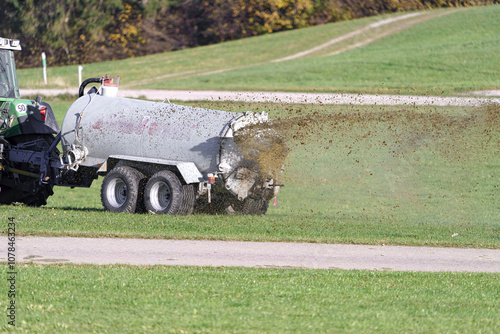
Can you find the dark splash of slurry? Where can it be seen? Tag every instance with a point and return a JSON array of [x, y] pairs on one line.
[[265, 144], [388, 154], [401, 131]]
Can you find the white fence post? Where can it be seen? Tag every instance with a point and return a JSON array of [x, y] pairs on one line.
[[80, 69], [44, 63]]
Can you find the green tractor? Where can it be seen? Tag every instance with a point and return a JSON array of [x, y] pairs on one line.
[[28, 138]]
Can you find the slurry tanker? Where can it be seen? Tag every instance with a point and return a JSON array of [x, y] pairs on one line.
[[155, 157]]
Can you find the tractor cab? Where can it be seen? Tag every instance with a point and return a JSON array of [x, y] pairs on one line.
[[8, 78], [20, 116]]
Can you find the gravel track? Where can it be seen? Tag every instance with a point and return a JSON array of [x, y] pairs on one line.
[[285, 97]]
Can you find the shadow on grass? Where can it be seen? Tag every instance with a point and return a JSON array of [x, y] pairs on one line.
[[69, 208]]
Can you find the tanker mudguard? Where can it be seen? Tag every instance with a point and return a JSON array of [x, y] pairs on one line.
[[188, 170], [33, 123]]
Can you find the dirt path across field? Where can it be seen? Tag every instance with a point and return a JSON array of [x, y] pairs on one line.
[[355, 39], [251, 254], [361, 31]]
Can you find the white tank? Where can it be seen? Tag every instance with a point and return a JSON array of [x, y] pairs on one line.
[[101, 126]]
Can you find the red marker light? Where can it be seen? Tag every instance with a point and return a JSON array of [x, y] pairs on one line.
[[43, 112]]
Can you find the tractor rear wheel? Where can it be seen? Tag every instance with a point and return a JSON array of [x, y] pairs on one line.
[[40, 192]]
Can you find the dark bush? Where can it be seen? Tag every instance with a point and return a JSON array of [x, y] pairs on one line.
[[83, 31]]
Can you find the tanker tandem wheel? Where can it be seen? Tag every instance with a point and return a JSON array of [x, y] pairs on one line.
[[222, 205], [256, 207], [125, 189], [120, 189], [165, 194]]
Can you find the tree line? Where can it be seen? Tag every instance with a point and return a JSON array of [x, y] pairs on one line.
[[84, 31]]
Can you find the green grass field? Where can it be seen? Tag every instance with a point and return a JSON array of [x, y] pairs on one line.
[[453, 53], [125, 299]]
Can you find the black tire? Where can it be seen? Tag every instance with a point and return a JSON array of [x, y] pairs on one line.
[[10, 195], [40, 198], [164, 194], [40, 194], [217, 206], [141, 207], [255, 207], [188, 200], [120, 189]]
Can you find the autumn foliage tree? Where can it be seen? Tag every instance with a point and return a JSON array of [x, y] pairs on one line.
[[72, 31], [83, 31]]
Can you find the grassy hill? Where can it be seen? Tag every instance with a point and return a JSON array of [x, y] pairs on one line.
[[437, 52]]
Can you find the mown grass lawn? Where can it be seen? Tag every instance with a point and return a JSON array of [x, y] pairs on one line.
[[453, 53], [188, 61], [159, 299]]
